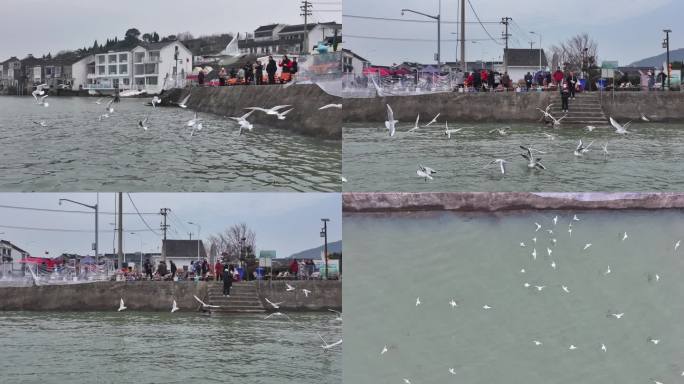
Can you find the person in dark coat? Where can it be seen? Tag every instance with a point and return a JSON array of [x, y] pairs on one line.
[[572, 84], [173, 269], [565, 95], [477, 80], [161, 269], [148, 269], [200, 78], [286, 64], [259, 72], [227, 280], [294, 68], [271, 69], [528, 80]]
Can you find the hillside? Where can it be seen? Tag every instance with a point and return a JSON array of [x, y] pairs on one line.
[[315, 253], [657, 61]]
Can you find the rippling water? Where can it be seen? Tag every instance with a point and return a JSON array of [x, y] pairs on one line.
[[76, 152], [645, 160], [134, 347], [476, 260]]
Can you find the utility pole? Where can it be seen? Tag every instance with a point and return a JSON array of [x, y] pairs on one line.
[[506, 35], [164, 227], [324, 234], [306, 12], [463, 63], [119, 256], [666, 45]]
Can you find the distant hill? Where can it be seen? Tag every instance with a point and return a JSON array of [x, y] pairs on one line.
[[315, 253], [657, 61]]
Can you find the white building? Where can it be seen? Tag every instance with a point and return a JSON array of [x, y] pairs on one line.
[[147, 66], [353, 63], [10, 256], [288, 39], [521, 61], [181, 252]]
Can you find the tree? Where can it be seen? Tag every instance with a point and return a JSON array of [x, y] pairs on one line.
[[155, 37], [132, 34], [230, 242], [147, 37], [577, 53], [183, 36]]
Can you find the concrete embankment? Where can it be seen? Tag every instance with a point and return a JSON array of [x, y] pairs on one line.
[[305, 118], [159, 295], [324, 294], [507, 107], [493, 202]]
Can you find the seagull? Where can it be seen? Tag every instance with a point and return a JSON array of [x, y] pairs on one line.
[[174, 307], [277, 314], [538, 227], [242, 121], [659, 382], [384, 350], [654, 341], [604, 148], [502, 164], [572, 347], [534, 253], [155, 100], [343, 179], [289, 288], [526, 285], [522, 245], [644, 118], [453, 303], [540, 287], [522, 270], [448, 132], [306, 292], [550, 231], [554, 241], [624, 237], [617, 315], [532, 162], [657, 277], [143, 123], [486, 307], [590, 128], [586, 246], [121, 305], [415, 127], [38, 91], [204, 305], [553, 264], [425, 172], [575, 218], [325, 343], [619, 129], [537, 343], [390, 123], [407, 381], [43, 102], [109, 108], [603, 347], [103, 116], [677, 245], [273, 111], [184, 103], [570, 230], [417, 301], [581, 149], [452, 371], [501, 131], [339, 314], [337, 106], [607, 272], [549, 251], [283, 115], [546, 113], [41, 123], [555, 220], [534, 239], [565, 288], [274, 305], [193, 121], [432, 121]]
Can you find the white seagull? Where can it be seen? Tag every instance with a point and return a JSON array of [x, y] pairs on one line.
[[453, 303], [486, 307], [572, 347], [121, 305], [204, 305], [390, 123], [275, 111], [432, 121], [337, 106], [555, 220], [619, 129], [452, 371], [501, 131], [289, 288], [604, 148], [538, 227], [581, 149], [417, 301], [325, 343], [193, 121], [448, 132], [416, 126], [644, 118], [603, 347], [425, 172], [677, 245], [586, 246], [654, 341], [41, 123], [534, 253], [540, 287], [617, 315], [109, 108], [565, 288], [243, 122], [575, 218], [590, 128], [384, 350], [607, 272], [502, 164], [155, 100], [274, 305], [532, 162], [306, 292], [283, 115], [339, 314], [43, 102], [184, 103], [143, 123], [537, 343], [277, 314], [174, 307], [624, 236], [553, 264]]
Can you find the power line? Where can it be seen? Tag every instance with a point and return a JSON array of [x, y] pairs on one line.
[[415, 20], [139, 215], [408, 39], [482, 24], [70, 211], [63, 230]]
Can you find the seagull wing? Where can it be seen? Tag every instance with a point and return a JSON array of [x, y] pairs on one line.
[[185, 99], [279, 107], [390, 113]]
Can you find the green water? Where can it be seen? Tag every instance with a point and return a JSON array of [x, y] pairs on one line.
[[476, 260], [134, 347], [647, 159]]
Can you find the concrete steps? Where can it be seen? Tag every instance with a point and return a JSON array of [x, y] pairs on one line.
[[585, 109], [243, 298]]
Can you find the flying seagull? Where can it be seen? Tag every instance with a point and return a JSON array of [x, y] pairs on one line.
[[532, 162], [289, 288], [581, 149], [143, 123], [326, 345], [390, 123], [174, 307], [274, 305], [416, 126], [272, 111], [448, 132], [502, 164], [204, 305], [184, 103], [425, 172], [337, 106], [619, 129], [243, 122], [432, 121], [501, 131], [121, 305]]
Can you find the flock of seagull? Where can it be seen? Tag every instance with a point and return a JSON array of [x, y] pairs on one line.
[[275, 306], [539, 287], [533, 162]]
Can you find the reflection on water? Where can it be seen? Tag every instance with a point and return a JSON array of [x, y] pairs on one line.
[[477, 260], [644, 160], [134, 347], [77, 152]]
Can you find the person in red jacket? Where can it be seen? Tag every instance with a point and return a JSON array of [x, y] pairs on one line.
[[294, 268], [218, 270], [484, 76], [558, 76]]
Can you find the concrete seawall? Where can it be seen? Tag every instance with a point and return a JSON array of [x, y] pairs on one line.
[[493, 202], [305, 99], [324, 294], [506, 107]]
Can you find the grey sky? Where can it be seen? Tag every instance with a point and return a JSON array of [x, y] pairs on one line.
[[42, 26], [285, 222], [624, 30]]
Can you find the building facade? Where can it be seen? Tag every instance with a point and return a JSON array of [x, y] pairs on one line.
[[288, 39], [10, 259], [521, 61], [181, 252]]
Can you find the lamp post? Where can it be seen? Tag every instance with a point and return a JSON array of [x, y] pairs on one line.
[[437, 17], [324, 234], [540, 48], [666, 45], [95, 207], [198, 238]]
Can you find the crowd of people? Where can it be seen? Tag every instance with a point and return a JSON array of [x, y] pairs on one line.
[[256, 73]]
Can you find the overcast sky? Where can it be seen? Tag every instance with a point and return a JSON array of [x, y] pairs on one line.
[[626, 31], [42, 26], [285, 222]]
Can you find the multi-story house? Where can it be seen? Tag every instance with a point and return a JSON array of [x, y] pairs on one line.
[[31, 73], [288, 39], [10, 259], [10, 70]]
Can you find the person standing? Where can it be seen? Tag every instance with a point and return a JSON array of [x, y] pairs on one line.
[[558, 77], [222, 77], [294, 268], [294, 67], [200, 78], [528, 81], [565, 96], [227, 281], [259, 73], [271, 69], [661, 78], [572, 84], [218, 270], [173, 270], [148, 269]]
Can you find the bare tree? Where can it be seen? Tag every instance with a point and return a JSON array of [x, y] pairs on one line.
[[230, 242], [576, 53], [183, 36]]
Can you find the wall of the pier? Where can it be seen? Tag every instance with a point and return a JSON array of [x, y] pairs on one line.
[[324, 294]]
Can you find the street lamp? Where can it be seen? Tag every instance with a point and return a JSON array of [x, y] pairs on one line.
[[95, 207], [198, 237], [437, 17], [666, 45], [324, 234], [540, 48]]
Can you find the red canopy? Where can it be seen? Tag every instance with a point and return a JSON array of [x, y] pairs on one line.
[[50, 263], [374, 70]]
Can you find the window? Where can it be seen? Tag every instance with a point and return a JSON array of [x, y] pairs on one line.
[[150, 69], [100, 69], [48, 71], [126, 81], [100, 59], [140, 81], [154, 56], [58, 71], [112, 69], [123, 57], [139, 69], [123, 69], [151, 81], [139, 57], [112, 58]]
